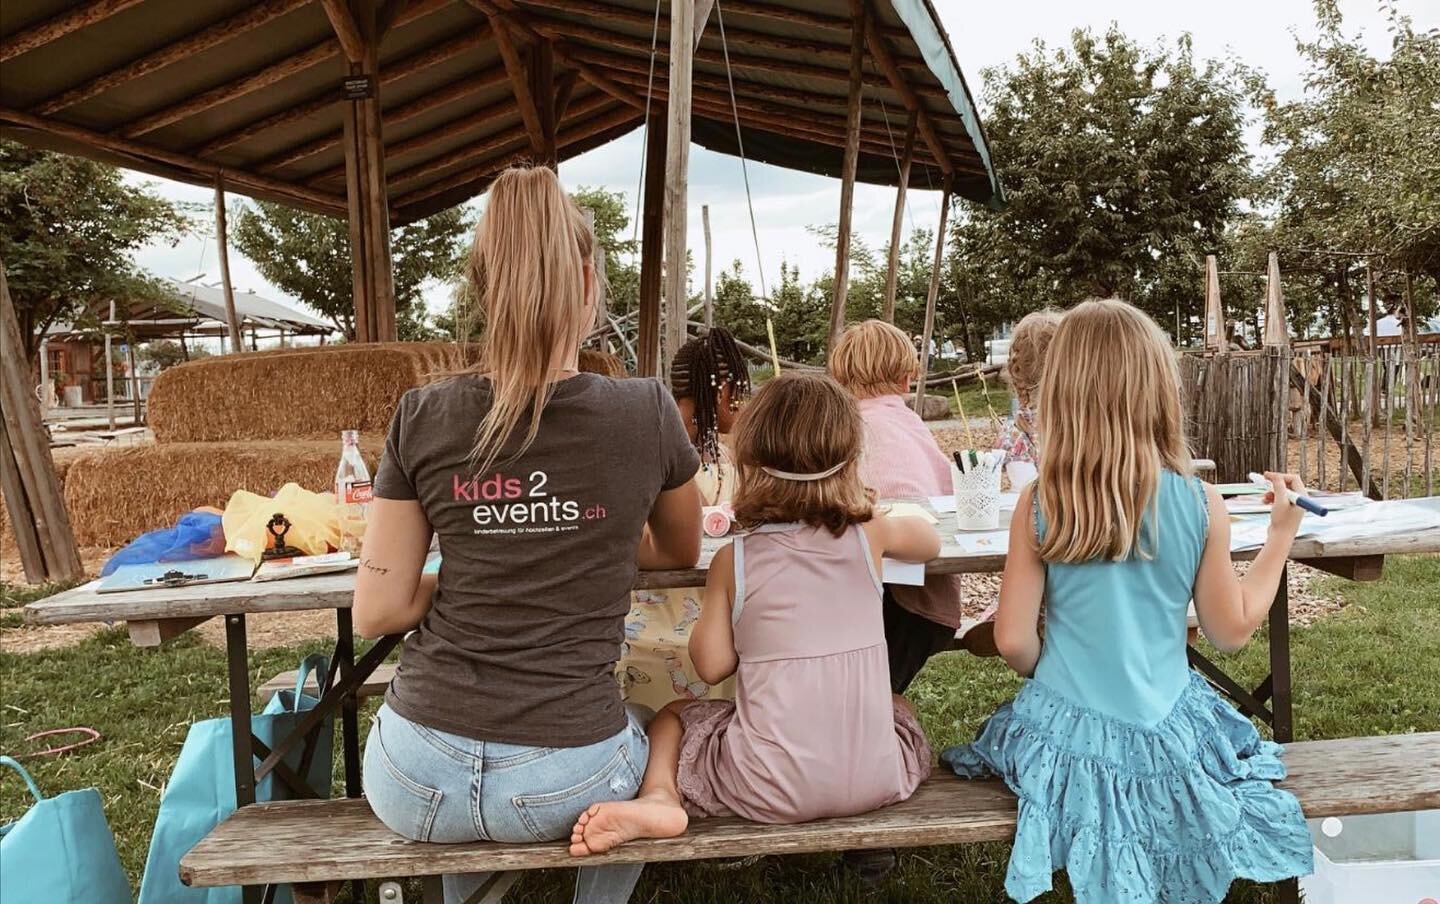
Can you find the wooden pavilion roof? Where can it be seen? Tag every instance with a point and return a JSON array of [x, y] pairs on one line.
[[251, 89]]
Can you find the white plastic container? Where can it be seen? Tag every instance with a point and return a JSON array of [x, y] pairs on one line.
[[1389, 858]]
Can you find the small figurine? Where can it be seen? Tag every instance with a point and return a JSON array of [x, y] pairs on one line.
[[279, 526]]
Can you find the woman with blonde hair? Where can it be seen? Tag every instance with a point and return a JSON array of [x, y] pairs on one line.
[[1133, 775], [547, 488], [792, 609]]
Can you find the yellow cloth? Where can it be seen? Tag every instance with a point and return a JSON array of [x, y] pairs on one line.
[[655, 666]]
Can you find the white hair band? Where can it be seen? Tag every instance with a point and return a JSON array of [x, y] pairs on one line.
[[791, 475]]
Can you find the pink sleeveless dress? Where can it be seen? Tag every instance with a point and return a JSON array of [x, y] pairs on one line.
[[813, 731]]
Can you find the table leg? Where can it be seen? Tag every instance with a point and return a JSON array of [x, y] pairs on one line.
[[244, 762], [350, 706], [1282, 721]]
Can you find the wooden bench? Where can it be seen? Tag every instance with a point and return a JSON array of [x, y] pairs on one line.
[[317, 844], [373, 686]]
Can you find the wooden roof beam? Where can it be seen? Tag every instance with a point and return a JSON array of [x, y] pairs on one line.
[[520, 82], [213, 35], [880, 49], [143, 152], [618, 117], [537, 30], [738, 60], [57, 27], [255, 81], [425, 102], [347, 30], [408, 66], [480, 146]]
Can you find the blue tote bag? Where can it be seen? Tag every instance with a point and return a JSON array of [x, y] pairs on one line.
[[201, 791], [61, 851]]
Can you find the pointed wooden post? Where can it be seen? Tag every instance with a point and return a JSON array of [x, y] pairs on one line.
[[110, 368], [847, 173], [677, 167], [1214, 311], [1370, 302], [1277, 334], [930, 298], [709, 294], [232, 320], [652, 239], [887, 309]]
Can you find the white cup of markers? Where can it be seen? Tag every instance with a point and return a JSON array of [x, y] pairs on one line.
[[976, 476]]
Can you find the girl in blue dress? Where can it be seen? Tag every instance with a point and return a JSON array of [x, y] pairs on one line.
[[1133, 775]]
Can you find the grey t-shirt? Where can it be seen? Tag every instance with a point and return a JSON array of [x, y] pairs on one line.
[[538, 554]]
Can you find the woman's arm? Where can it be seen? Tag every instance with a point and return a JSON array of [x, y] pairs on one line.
[[672, 532], [712, 641], [1229, 608], [391, 595], [1017, 621]]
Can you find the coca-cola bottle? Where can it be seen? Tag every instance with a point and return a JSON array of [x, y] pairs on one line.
[[353, 491]]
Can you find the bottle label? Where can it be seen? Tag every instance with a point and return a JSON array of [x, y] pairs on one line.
[[359, 493]]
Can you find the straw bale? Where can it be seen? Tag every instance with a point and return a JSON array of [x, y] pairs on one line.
[[114, 495], [308, 393]]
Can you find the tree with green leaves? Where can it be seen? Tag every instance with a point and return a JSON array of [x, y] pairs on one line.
[[67, 229], [1121, 163], [1356, 176], [308, 256]]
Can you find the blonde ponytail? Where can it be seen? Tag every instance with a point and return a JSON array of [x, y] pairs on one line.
[[527, 272]]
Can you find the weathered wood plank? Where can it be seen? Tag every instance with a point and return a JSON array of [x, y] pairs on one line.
[[154, 632], [270, 842], [373, 686]]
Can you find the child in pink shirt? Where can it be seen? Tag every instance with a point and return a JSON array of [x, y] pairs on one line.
[[876, 363]]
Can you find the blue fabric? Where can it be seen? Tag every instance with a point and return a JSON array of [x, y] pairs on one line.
[[201, 790], [197, 535], [1139, 792], [61, 851], [431, 785]]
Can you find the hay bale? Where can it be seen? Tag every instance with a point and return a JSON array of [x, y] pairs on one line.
[[308, 393], [63, 458], [114, 495]]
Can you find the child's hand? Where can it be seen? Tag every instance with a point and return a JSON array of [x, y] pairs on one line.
[[1284, 515]]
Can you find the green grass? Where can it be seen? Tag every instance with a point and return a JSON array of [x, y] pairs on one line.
[[1369, 669]]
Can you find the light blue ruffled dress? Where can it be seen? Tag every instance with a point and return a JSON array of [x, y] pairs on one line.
[[1133, 775]]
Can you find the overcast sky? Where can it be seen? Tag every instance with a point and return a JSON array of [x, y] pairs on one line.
[[1259, 32]]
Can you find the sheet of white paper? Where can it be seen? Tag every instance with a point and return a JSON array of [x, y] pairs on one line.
[[909, 510], [1378, 519], [980, 542], [896, 572], [942, 503]]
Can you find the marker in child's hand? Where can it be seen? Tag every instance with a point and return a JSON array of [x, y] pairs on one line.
[[1305, 502]]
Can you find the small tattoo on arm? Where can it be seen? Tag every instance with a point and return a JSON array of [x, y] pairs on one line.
[[369, 566]]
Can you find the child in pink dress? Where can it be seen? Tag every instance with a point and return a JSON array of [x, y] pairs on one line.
[[792, 609]]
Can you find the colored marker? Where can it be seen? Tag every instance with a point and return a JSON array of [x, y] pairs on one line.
[[1305, 502]]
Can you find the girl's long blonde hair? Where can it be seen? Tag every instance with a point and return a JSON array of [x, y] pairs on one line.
[[1111, 421], [526, 271]]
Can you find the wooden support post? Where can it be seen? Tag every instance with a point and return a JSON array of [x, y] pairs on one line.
[[652, 238], [232, 320], [709, 292], [847, 174], [47, 391], [677, 168], [110, 371], [1277, 334], [887, 309], [930, 298], [1214, 311], [32, 493], [542, 81], [134, 381], [365, 187]]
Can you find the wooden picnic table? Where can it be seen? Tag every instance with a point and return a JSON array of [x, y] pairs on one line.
[[155, 615]]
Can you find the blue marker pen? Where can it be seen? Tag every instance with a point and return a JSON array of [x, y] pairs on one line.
[[1305, 502]]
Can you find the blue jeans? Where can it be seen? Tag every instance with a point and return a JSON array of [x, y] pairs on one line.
[[433, 786]]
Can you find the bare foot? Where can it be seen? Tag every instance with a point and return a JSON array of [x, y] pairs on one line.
[[606, 825]]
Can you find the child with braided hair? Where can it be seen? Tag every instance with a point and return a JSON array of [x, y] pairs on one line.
[[710, 379]]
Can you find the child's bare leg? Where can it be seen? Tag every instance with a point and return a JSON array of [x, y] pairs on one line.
[[900, 699], [656, 812]]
